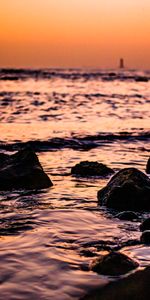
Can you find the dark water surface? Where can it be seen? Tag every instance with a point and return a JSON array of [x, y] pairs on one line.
[[68, 116]]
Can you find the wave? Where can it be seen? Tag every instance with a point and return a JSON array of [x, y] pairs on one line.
[[84, 143], [74, 74]]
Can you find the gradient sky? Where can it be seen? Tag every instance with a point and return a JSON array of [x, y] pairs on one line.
[[74, 33]]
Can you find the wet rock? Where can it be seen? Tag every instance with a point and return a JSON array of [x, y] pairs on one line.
[[22, 170], [148, 167], [88, 253], [145, 225], [91, 168], [112, 74], [141, 79], [134, 287], [3, 158], [145, 237], [127, 215], [129, 189], [114, 264]]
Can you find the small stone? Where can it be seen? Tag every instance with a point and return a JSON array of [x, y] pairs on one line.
[[145, 225], [114, 264], [87, 253], [91, 168], [127, 215], [145, 237]]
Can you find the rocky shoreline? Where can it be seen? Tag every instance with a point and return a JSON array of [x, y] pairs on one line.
[[128, 192]]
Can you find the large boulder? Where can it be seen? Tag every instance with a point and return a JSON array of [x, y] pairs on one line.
[[22, 170], [148, 166], [129, 189], [114, 264], [134, 287], [91, 168]]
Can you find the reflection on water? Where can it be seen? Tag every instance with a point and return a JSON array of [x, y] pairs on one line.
[[48, 237]]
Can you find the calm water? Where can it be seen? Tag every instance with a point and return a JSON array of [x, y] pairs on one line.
[[68, 116]]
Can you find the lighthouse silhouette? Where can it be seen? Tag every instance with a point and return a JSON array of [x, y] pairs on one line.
[[121, 64]]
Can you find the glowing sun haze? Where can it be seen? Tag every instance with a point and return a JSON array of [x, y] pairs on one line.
[[74, 33]]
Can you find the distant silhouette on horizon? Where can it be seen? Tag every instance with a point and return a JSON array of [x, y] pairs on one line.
[[121, 65]]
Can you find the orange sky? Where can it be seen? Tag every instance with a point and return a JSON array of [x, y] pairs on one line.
[[74, 33]]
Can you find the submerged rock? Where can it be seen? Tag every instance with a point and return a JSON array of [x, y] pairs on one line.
[[145, 237], [148, 167], [129, 189], [145, 225], [91, 168], [127, 215], [22, 170], [114, 264]]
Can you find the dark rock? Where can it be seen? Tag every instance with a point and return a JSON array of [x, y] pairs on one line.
[[114, 264], [145, 237], [141, 79], [134, 287], [127, 215], [145, 225], [87, 253], [148, 167], [22, 170], [112, 74], [3, 158], [91, 168], [129, 189]]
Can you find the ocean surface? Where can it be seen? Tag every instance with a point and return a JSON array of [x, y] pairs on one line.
[[48, 237]]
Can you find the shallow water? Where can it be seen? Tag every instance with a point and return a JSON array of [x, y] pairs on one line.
[[68, 116]]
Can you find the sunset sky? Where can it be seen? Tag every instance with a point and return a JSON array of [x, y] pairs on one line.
[[74, 33]]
